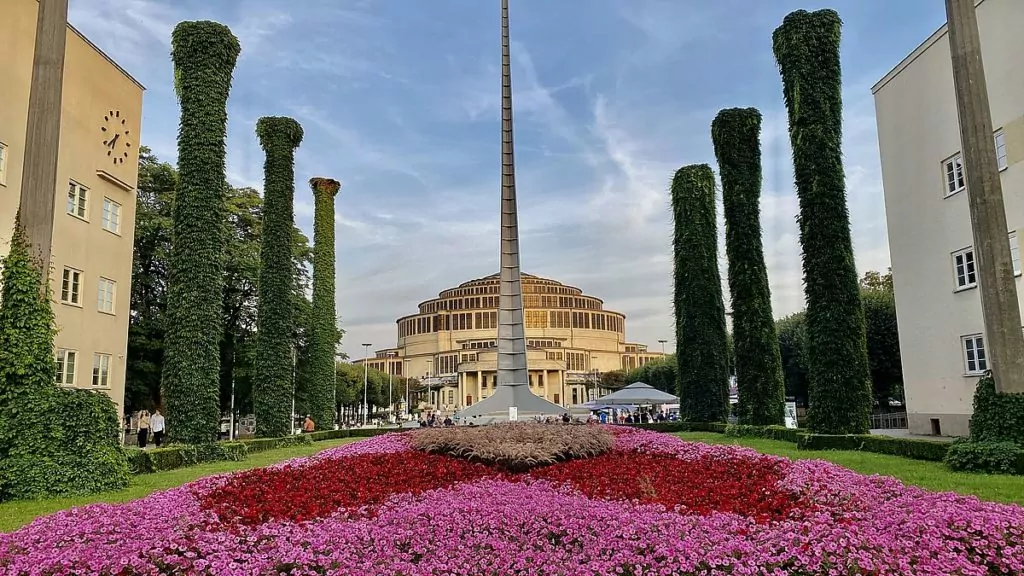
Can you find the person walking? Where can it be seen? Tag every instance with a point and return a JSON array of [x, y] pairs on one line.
[[156, 425], [308, 426], [144, 425]]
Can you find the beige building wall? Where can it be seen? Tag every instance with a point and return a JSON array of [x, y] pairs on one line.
[[450, 343], [929, 225], [99, 100]]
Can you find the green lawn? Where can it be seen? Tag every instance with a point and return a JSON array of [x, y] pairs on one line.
[[929, 475], [16, 514]]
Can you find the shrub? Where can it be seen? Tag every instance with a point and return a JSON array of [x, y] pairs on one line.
[[736, 135], [328, 435], [515, 446], [272, 394], [986, 456], [916, 449], [806, 47], [769, 432], [997, 417], [325, 335], [701, 349], [204, 55]]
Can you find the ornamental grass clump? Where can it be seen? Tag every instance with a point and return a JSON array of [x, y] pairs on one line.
[[515, 446]]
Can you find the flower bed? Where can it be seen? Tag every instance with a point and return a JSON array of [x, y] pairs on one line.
[[652, 505]]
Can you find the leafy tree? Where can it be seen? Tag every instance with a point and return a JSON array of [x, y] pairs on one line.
[[793, 351], [660, 373], [873, 280], [204, 55], [806, 48], [701, 350], [615, 379], [275, 361], [883, 336], [324, 322], [736, 135]]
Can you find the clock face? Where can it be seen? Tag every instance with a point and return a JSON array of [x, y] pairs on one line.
[[116, 137]]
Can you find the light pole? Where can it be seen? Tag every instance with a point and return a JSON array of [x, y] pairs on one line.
[[662, 342], [231, 420], [391, 401], [430, 365], [291, 425], [405, 374], [593, 368], [366, 373]]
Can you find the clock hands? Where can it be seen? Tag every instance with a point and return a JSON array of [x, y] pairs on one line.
[[113, 141]]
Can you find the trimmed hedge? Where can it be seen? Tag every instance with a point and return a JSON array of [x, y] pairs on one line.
[[986, 456], [806, 47], [204, 55], [769, 432], [325, 334], [701, 343], [997, 417], [673, 427], [272, 393], [736, 133], [931, 450]]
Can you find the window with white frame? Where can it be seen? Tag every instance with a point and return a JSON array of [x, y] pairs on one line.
[[66, 360], [101, 370], [1000, 137], [3, 163], [105, 295], [111, 216], [964, 269], [1015, 252], [975, 361], [953, 168], [71, 286], [78, 200]]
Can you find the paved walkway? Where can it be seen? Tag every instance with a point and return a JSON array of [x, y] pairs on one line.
[[904, 433]]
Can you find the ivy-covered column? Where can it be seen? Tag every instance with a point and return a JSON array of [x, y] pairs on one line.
[[701, 350], [806, 48], [204, 55], [736, 134], [324, 339], [272, 393]]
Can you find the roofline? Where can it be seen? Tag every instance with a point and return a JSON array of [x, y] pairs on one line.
[[914, 55], [107, 57]]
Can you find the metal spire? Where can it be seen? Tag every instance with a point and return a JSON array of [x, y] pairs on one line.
[[513, 381]]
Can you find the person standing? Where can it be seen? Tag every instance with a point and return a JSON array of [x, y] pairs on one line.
[[308, 426], [144, 424], [156, 424]]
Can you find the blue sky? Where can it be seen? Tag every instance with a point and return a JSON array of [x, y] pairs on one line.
[[399, 100]]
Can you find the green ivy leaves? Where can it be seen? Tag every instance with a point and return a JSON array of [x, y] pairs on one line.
[[325, 334]]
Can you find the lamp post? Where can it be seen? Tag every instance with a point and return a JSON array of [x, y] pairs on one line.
[[366, 373], [231, 420], [593, 368], [291, 425], [405, 374], [391, 401], [430, 366], [662, 342]]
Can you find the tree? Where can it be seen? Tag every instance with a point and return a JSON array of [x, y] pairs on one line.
[[736, 135], [703, 373], [204, 55], [275, 359], [660, 373], [615, 379], [324, 322], [793, 352], [883, 335], [806, 48]]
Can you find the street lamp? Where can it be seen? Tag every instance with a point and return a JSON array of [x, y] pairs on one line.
[[593, 368], [662, 346], [430, 365], [391, 401], [366, 373], [405, 374], [291, 425]]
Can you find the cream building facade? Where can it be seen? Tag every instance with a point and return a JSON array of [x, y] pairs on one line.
[[94, 221], [449, 344], [938, 304]]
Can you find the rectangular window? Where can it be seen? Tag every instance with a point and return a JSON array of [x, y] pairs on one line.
[[66, 366], [3, 163], [71, 287], [1015, 253], [975, 361], [78, 200], [1001, 149], [111, 216], [953, 168], [105, 295], [101, 370], [964, 269]]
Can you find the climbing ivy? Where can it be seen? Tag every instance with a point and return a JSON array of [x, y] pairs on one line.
[[272, 394], [52, 441], [997, 417], [325, 320], [736, 136], [806, 48], [702, 373], [204, 55]]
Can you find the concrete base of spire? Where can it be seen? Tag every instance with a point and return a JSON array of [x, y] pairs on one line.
[[494, 408]]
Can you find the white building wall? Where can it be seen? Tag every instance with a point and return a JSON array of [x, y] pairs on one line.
[[915, 107]]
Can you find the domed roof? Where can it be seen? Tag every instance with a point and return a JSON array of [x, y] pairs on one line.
[[494, 278]]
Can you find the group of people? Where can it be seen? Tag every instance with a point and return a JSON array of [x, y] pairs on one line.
[[147, 423]]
